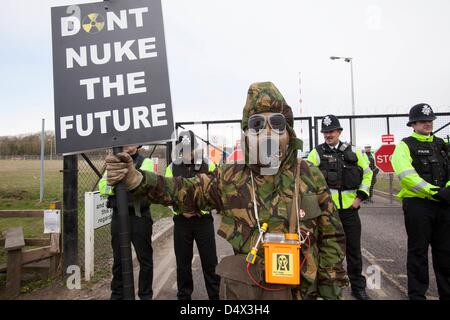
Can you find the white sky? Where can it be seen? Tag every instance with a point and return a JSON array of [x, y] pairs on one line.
[[215, 49]]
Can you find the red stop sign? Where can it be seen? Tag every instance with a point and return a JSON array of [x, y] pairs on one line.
[[383, 157]]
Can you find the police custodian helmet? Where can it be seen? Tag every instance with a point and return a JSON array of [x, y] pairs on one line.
[[330, 123], [420, 112]]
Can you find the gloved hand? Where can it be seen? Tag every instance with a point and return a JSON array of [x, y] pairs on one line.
[[121, 167], [442, 195]]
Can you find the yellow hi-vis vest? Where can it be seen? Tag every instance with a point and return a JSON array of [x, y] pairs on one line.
[[348, 196], [413, 186]]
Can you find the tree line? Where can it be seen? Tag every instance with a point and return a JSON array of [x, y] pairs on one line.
[[30, 145]]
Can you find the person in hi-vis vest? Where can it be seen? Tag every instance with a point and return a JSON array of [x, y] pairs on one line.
[[422, 164], [190, 227], [348, 176], [141, 224]]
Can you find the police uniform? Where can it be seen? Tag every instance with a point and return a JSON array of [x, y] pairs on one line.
[[141, 224], [199, 227], [422, 165], [348, 176]]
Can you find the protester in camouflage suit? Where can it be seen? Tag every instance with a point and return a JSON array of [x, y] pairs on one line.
[[229, 190]]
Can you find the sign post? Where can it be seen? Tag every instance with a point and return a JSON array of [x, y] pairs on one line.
[[111, 86]]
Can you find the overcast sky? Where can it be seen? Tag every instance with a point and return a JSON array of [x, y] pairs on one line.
[[216, 49]]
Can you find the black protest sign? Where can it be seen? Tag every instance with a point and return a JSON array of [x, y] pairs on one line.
[[111, 82]]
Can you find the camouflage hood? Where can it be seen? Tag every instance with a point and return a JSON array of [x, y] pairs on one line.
[[265, 97]]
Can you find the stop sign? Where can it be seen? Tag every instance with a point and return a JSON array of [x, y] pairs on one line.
[[383, 157]]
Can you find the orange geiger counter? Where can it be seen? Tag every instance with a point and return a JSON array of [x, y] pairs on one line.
[[282, 258]]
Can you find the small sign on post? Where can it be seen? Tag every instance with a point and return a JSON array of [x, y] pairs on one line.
[[387, 138], [52, 221]]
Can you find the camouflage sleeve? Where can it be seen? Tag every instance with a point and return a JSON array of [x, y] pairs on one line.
[[331, 276], [185, 195]]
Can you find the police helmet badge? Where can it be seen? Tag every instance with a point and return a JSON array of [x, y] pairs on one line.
[[426, 110]]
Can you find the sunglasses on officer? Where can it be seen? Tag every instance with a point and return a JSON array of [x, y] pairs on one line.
[[257, 122]]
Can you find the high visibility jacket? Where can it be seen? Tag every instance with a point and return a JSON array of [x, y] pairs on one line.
[[210, 168], [341, 196], [413, 185]]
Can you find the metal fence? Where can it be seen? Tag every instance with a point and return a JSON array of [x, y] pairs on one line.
[[91, 167], [369, 128], [225, 135]]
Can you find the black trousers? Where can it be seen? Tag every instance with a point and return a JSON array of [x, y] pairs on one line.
[[141, 237], [427, 223], [352, 229], [202, 231]]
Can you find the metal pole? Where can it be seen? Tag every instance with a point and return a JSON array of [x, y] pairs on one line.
[[124, 237], [207, 138], [316, 132], [388, 125], [310, 134], [51, 147], [390, 188], [70, 212], [168, 153], [353, 137], [41, 189]]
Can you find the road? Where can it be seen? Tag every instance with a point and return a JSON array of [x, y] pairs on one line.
[[383, 248]]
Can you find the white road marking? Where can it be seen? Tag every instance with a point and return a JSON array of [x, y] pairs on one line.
[[384, 260], [162, 273], [162, 281], [371, 258]]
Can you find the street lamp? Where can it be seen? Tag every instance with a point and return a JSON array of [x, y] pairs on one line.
[[352, 122]]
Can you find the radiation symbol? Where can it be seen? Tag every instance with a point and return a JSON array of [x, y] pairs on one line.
[[93, 23], [283, 262]]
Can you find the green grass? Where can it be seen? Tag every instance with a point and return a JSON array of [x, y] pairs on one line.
[[19, 186], [382, 183], [19, 190]]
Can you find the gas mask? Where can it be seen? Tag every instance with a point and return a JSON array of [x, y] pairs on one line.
[[267, 139]]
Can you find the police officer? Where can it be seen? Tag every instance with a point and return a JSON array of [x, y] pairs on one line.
[[348, 176], [421, 162], [198, 226], [141, 224], [375, 170]]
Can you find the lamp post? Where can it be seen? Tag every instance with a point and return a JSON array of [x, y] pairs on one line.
[[352, 122]]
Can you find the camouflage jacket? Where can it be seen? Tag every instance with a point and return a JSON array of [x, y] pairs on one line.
[[229, 190]]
